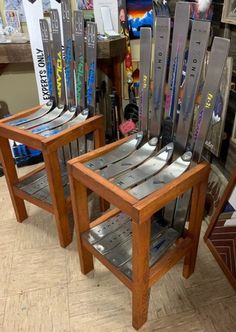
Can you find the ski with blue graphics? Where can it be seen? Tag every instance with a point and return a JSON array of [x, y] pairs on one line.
[[82, 116], [162, 23], [91, 51], [179, 39], [69, 56], [79, 58], [36, 115]]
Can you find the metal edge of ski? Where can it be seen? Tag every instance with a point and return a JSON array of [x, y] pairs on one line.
[[37, 114], [45, 35], [179, 39], [33, 12], [69, 54], [178, 167], [82, 116], [120, 152], [134, 159], [144, 78], [162, 24], [59, 121], [91, 51], [79, 51], [197, 49], [56, 112], [149, 168]]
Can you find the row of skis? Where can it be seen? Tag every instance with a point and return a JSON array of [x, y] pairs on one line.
[[143, 164], [71, 73]]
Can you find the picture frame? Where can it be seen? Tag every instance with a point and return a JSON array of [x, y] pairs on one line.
[[229, 12], [220, 236]]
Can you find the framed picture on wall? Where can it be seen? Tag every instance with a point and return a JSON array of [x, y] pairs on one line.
[[229, 12], [220, 236]]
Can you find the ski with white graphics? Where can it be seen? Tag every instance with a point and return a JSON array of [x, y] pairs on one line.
[[162, 24], [180, 33], [34, 12], [45, 34]]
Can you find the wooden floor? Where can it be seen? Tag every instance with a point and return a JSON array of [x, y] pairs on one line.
[[42, 289]]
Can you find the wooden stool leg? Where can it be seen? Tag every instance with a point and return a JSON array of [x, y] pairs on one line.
[[195, 222], [140, 262], [11, 178], [58, 200], [81, 217]]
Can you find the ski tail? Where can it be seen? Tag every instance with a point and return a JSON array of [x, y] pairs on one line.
[[218, 56], [58, 56], [161, 38], [91, 66], [180, 32], [45, 34], [69, 57], [79, 58], [144, 78]]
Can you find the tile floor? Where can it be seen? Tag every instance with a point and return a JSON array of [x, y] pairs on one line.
[[42, 289]]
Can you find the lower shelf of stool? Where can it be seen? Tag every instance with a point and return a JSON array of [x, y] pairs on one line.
[[35, 188], [116, 244]]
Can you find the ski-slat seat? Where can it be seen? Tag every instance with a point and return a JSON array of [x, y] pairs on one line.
[[54, 195], [140, 212]]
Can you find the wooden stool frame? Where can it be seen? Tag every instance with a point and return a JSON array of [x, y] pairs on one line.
[[49, 147], [140, 211]]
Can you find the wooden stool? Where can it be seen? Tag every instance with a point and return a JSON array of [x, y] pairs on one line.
[[56, 203], [140, 211]]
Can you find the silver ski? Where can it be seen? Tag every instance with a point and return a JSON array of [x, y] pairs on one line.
[[58, 56], [48, 57], [36, 115], [69, 57], [78, 119], [64, 118], [161, 41], [135, 159], [158, 248], [144, 85], [181, 24], [146, 170], [79, 58], [178, 167], [56, 112], [116, 154], [91, 52], [100, 231], [197, 49], [218, 56]]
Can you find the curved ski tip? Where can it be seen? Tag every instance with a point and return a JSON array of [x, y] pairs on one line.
[[85, 112], [139, 137], [49, 103], [60, 106], [153, 141], [72, 109], [187, 156], [169, 146]]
